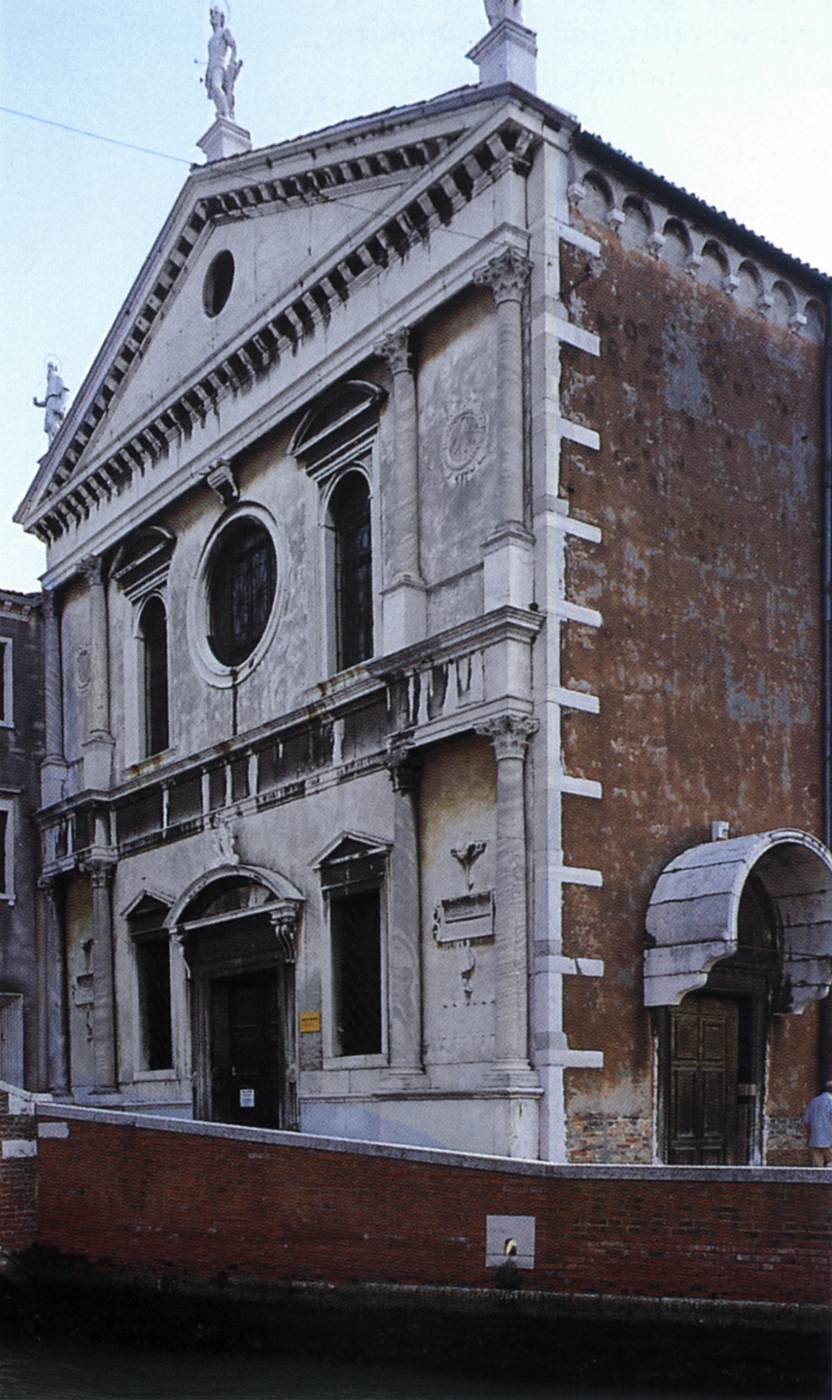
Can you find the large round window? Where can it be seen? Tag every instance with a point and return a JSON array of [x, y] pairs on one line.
[[242, 578], [219, 279]]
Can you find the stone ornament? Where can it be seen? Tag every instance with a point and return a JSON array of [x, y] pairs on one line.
[[225, 842], [467, 856], [54, 401], [498, 10], [510, 734], [464, 441], [83, 668], [395, 349], [223, 70], [506, 275]]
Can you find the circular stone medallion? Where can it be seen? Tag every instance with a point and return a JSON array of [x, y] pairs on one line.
[[463, 441]]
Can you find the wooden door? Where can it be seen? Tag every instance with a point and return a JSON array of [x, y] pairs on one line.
[[246, 1070], [704, 1039]]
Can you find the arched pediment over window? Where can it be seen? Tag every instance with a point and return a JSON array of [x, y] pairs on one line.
[[343, 414], [692, 919], [232, 890]]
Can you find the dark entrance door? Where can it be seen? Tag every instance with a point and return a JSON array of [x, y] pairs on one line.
[[704, 1041], [245, 1040]]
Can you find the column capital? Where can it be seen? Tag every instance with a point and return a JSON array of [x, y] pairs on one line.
[[101, 870], [395, 349], [404, 766], [92, 568], [510, 734], [506, 275]]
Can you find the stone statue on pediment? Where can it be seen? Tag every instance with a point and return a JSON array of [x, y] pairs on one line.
[[54, 402], [498, 10], [223, 65]]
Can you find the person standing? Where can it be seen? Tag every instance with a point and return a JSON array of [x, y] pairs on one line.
[[818, 1120]]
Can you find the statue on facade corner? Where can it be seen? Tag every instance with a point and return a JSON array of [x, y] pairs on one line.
[[498, 10], [221, 76], [54, 403]]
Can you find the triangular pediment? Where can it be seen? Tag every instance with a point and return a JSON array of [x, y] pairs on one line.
[[299, 226]]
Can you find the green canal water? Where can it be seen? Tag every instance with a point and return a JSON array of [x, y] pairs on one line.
[[59, 1370]]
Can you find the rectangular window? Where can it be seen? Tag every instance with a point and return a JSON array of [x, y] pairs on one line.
[[6, 850], [153, 966], [355, 922], [6, 683]]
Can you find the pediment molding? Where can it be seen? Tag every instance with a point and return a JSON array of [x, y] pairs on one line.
[[65, 494]]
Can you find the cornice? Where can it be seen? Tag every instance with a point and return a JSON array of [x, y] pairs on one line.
[[447, 186]]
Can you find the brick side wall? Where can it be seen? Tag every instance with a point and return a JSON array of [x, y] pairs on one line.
[[18, 1172], [200, 1203]]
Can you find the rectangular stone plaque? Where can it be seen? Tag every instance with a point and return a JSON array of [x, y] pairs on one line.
[[468, 916], [310, 1021]]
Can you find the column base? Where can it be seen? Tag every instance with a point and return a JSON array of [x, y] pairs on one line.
[[53, 771], [98, 761], [404, 1079], [404, 614], [508, 569], [512, 1075]]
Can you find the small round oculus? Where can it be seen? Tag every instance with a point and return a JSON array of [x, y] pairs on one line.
[[219, 281]]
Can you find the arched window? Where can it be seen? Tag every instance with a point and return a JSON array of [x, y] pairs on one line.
[[153, 633], [349, 519]]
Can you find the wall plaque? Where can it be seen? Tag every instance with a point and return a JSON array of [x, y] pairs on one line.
[[466, 917], [246, 1098], [310, 1022]]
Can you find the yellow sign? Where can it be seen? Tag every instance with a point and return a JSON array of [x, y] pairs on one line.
[[310, 1021]]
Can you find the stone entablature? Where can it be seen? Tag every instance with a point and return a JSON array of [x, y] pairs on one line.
[[465, 677], [658, 229], [425, 206]]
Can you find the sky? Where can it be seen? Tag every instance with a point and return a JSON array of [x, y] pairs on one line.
[[731, 99]]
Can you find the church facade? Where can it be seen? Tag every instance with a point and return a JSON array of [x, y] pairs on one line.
[[435, 717]]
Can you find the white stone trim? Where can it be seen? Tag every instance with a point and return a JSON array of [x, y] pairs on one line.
[[574, 335], [7, 716], [53, 1130], [577, 700], [9, 806], [574, 612], [576, 432], [578, 875], [578, 239], [19, 1147], [579, 787]]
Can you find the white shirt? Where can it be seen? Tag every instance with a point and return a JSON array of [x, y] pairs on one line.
[[819, 1118]]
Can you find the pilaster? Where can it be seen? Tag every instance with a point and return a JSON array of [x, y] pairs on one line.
[[508, 561], [55, 1029], [99, 745], [101, 870], [404, 939], [510, 736], [53, 768], [405, 604]]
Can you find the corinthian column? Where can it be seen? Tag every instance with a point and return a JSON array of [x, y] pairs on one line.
[[508, 558], [405, 613], [98, 749], [53, 767], [103, 969], [510, 735], [404, 940]]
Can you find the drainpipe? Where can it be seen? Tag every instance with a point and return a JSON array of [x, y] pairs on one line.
[[825, 1037]]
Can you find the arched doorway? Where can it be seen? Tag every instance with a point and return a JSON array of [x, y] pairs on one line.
[[739, 931], [237, 928]]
